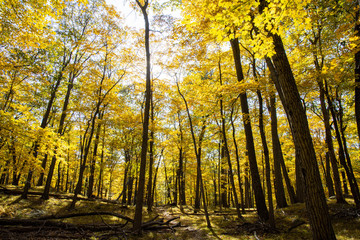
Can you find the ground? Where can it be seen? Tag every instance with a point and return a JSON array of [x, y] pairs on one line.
[[291, 222]]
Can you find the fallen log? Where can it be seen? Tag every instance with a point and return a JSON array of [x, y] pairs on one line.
[[71, 215], [46, 222]]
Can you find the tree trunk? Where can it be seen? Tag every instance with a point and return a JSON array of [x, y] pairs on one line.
[[237, 160], [93, 160], [256, 181], [223, 176], [227, 153], [279, 163], [277, 155], [357, 71], [330, 145], [150, 199], [197, 150], [267, 164], [45, 194], [349, 173], [315, 198], [141, 182], [101, 170], [327, 171]]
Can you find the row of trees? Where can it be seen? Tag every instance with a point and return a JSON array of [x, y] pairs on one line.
[[245, 104]]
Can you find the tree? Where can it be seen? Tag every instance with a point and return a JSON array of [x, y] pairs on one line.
[[141, 185]]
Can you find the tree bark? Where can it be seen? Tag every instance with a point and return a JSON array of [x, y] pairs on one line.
[[357, 71], [279, 163], [93, 159], [348, 171], [256, 181], [150, 197], [315, 198], [197, 150], [267, 163], [141, 181], [227, 153], [237, 160]]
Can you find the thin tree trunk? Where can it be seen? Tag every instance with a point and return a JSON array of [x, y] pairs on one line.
[[197, 153], [255, 177], [267, 164], [279, 163], [45, 194], [237, 160], [349, 173], [141, 183], [150, 197], [93, 159], [101, 170], [227, 153], [357, 71]]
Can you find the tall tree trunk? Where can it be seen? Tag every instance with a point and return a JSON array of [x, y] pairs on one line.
[[357, 71], [44, 123], [101, 170], [277, 155], [45, 194], [255, 177], [182, 198], [299, 181], [317, 43], [279, 163], [346, 190], [237, 160], [86, 143], [347, 156], [141, 183], [329, 142], [327, 173], [93, 159], [349, 173], [315, 198], [267, 162], [126, 177], [227, 153], [197, 150], [223, 175], [150, 199]]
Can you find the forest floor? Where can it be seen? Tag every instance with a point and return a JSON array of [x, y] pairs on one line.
[[26, 223]]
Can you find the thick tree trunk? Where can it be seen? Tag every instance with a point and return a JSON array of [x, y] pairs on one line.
[[315, 198], [256, 181], [300, 190]]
